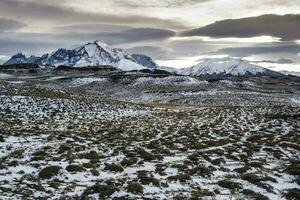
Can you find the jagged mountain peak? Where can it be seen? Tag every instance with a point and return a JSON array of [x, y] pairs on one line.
[[99, 53], [101, 43], [19, 55], [98, 48], [97, 44], [91, 54], [21, 58]]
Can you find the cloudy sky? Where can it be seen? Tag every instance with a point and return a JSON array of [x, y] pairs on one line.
[[175, 33]]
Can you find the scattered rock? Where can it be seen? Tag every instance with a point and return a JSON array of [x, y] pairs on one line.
[[75, 168], [135, 187], [292, 194], [49, 172], [104, 190], [230, 185], [113, 167]]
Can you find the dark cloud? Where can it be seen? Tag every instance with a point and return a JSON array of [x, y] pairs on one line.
[[9, 24], [279, 61], [146, 34], [171, 50], [271, 48], [128, 36], [285, 61], [39, 11], [158, 3], [90, 28], [39, 43], [157, 53], [286, 27], [11, 47], [193, 48]]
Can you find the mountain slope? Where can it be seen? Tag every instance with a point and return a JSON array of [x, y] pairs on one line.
[[291, 73], [90, 54], [169, 69], [20, 58], [226, 67]]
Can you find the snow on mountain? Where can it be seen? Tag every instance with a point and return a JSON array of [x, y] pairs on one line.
[[20, 58], [226, 67], [292, 73], [168, 69], [90, 54], [145, 61], [98, 53]]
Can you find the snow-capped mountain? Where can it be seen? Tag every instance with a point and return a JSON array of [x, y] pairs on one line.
[[226, 67], [91, 54], [169, 69], [98, 53], [21, 59], [144, 61], [292, 73]]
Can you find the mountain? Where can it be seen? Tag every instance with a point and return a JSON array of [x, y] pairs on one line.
[[91, 54], [144, 61], [21, 59], [292, 73], [169, 69], [226, 67], [98, 53]]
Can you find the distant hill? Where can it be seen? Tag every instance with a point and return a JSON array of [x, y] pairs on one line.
[[224, 67]]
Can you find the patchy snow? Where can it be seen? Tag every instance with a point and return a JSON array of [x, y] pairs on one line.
[[167, 150], [5, 76], [84, 81], [54, 78], [15, 82], [170, 80], [296, 100]]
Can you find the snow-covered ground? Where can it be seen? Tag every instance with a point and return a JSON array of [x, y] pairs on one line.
[[222, 139], [5, 76], [84, 81]]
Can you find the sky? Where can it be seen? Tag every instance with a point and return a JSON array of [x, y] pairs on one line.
[[175, 33]]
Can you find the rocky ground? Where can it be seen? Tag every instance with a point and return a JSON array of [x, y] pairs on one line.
[[137, 137]]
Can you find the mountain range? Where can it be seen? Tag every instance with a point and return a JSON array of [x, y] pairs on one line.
[[99, 53], [91, 54], [224, 67]]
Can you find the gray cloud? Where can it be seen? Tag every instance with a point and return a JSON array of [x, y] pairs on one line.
[[279, 61], [11, 47], [285, 61], [52, 24], [285, 27], [147, 33], [271, 48], [157, 53], [9, 25], [39, 43], [127, 36], [171, 50], [158, 3], [90, 28], [39, 11]]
